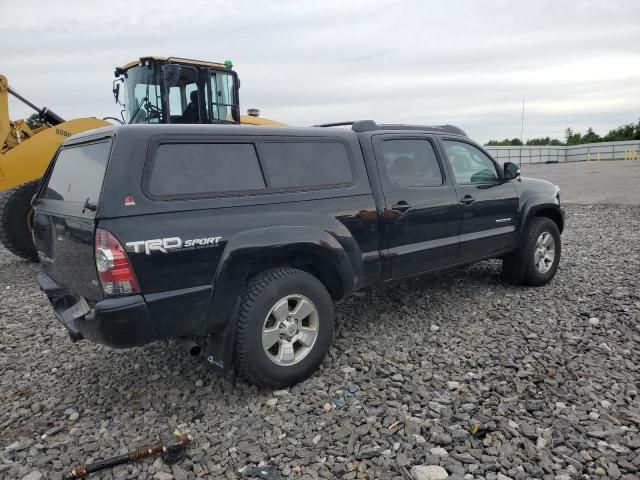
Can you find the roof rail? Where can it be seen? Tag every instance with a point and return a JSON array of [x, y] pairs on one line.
[[370, 125], [335, 124]]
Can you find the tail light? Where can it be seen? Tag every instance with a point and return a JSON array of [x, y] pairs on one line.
[[113, 265]]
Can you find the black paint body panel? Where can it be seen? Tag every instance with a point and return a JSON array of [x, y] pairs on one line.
[[349, 235]]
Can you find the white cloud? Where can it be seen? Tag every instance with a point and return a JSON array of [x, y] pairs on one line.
[[303, 62]]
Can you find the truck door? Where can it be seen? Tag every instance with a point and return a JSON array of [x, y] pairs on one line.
[[421, 206], [489, 206]]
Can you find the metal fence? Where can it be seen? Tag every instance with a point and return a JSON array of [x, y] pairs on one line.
[[628, 150]]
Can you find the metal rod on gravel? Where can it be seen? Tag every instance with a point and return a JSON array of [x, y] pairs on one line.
[[171, 446]]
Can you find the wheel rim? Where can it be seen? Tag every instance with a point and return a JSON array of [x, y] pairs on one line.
[[290, 330], [545, 252]]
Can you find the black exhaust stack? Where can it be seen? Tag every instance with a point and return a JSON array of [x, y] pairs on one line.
[[46, 115]]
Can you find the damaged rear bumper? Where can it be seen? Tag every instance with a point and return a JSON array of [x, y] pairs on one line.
[[119, 322]]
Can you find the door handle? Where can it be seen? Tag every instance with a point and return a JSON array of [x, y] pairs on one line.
[[402, 206], [467, 199]]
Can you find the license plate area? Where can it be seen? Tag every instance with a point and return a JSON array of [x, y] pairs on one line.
[[78, 310]]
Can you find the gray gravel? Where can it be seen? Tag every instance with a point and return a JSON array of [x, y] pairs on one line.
[[454, 370]]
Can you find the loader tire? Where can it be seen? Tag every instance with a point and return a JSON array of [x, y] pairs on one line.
[[16, 220]]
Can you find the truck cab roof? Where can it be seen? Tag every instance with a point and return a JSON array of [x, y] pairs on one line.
[[141, 131], [359, 126], [371, 125]]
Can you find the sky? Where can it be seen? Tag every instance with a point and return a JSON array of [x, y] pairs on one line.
[[468, 63]]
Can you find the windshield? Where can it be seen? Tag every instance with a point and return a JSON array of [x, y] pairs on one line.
[[143, 95], [172, 93]]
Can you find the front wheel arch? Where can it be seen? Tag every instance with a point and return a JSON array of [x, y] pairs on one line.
[[517, 267], [553, 214], [538, 210]]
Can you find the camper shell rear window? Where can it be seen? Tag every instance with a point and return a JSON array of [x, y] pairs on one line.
[[78, 173]]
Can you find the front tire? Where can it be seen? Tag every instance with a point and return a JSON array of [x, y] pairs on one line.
[[16, 220], [284, 327], [536, 262]]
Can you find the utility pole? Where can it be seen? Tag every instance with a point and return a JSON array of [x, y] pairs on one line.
[[521, 132], [522, 125]]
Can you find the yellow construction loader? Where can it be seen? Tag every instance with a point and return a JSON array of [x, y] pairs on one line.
[[155, 90]]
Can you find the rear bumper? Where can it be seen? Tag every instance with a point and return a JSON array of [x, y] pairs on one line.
[[117, 322]]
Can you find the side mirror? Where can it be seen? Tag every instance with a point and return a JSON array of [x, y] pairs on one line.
[[511, 171], [116, 90]]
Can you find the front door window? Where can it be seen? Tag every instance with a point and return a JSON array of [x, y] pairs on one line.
[[469, 164], [184, 98], [222, 97]]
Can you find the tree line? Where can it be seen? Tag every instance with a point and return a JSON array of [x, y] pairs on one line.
[[629, 131]]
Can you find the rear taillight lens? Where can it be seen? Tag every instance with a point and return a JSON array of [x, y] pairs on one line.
[[113, 265]]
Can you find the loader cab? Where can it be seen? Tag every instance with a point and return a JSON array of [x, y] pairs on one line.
[[176, 90]]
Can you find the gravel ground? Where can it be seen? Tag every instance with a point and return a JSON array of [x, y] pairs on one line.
[[456, 370]]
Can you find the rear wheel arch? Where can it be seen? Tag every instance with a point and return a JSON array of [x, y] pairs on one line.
[[301, 346], [324, 259], [237, 270], [319, 264]]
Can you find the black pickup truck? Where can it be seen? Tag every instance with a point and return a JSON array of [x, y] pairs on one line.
[[246, 236]]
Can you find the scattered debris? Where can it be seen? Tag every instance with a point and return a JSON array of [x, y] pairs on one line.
[[393, 425], [171, 446], [269, 472]]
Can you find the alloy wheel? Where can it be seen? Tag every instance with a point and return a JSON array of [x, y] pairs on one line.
[[290, 330], [545, 252]]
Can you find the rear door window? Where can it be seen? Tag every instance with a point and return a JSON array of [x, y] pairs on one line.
[[412, 163], [305, 164], [204, 168], [78, 173]]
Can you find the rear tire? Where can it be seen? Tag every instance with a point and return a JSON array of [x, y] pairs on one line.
[[536, 262], [16, 220], [285, 326]]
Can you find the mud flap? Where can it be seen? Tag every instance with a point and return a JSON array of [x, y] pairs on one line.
[[219, 349]]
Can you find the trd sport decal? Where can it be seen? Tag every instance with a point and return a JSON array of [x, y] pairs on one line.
[[171, 244]]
